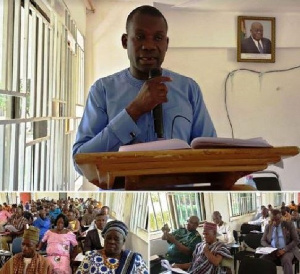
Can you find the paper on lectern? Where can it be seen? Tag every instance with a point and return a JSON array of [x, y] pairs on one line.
[[199, 142]]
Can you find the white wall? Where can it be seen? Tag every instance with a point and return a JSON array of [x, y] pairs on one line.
[[203, 46]]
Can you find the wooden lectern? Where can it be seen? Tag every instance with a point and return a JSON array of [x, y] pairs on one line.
[[178, 169]]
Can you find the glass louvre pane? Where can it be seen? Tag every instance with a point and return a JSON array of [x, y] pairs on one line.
[[3, 37], [2, 155], [21, 155], [28, 173], [158, 211], [242, 203], [5, 107], [30, 57]]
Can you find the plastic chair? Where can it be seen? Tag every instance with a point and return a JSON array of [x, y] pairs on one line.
[[16, 245], [251, 241], [256, 265], [266, 180]]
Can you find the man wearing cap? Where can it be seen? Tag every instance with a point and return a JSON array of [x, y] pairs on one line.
[[208, 254], [182, 242], [28, 261]]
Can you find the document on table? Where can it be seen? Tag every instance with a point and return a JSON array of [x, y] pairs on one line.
[[265, 250], [167, 265]]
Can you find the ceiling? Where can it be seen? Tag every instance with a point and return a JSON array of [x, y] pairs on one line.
[[232, 5]]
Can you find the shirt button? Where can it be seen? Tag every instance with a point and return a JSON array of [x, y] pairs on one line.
[[132, 134]]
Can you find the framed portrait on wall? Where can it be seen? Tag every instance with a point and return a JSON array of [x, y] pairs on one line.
[[256, 39]]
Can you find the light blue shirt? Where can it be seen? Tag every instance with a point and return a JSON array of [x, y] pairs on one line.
[[281, 241], [106, 125]]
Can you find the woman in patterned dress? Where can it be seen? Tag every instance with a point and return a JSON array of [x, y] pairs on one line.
[[112, 259], [59, 241]]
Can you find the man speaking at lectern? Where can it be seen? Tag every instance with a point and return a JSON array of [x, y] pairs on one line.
[[119, 107]]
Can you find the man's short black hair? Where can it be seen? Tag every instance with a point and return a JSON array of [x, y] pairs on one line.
[[148, 10], [65, 219]]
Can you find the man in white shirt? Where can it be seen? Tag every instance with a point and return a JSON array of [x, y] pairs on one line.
[[263, 220], [224, 230]]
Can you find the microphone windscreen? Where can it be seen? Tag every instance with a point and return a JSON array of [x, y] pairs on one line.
[[155, 72]]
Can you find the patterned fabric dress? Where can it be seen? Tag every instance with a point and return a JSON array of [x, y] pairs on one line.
[[129, 263], [58, 250], [200, 263], [38, 265]]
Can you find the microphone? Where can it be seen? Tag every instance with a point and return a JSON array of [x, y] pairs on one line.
[[157, 111]]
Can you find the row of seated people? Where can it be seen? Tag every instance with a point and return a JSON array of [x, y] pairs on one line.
[[62, 246], [14, 223], [187, 250], [262, 218], [277, 233]]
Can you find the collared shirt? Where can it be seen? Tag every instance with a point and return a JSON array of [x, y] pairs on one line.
[[281, 241], [225, 233], [106, 125], [262, 221], [256, 43], [100, 237], [189, 239]]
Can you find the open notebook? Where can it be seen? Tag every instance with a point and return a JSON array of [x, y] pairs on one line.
[[199, 142]]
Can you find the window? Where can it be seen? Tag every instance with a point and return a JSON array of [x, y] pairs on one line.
[[139, 212], [242, 203], [278, 199], [174, 209], [40, 102]]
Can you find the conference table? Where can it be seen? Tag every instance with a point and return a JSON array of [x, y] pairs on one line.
[[184, 169]]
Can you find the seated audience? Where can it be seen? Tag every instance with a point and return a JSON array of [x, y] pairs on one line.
[[59, 241], [112, 258], [94, 239], [105, 211], [4, 215], [293, 206], [224, 231], [259, 213], [54, 212], [7, 207], [208, 254], [270, 208], [28, 261], [43, 223], [283, 236], [263, 220], [285, 216], [14, 228], [74, 224], [182, 241], [89, 216]]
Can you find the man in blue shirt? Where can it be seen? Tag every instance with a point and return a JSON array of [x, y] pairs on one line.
[[43, 223], [283, 236], [54, 212], [119, 107]]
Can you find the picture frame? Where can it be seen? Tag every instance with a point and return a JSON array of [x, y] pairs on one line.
[[256, 39]]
